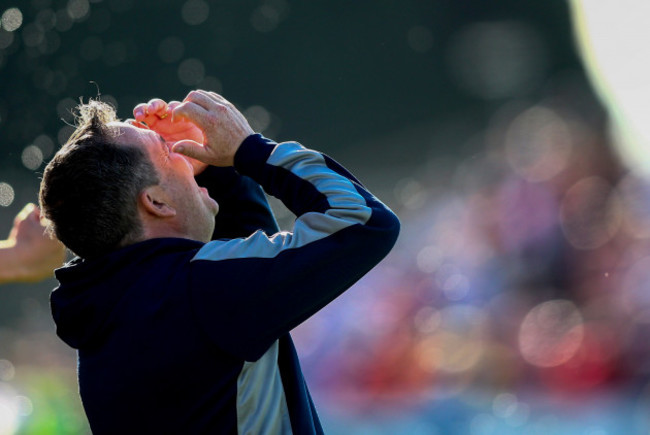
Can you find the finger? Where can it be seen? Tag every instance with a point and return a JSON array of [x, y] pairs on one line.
[[190, 148], [156, 105], [202, 98], [170, 108], [190, 111], [25, 212], [139, 111], [173, 104], [216, 97], [219, 98]]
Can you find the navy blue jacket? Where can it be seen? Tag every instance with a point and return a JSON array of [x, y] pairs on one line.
[[177, 336]]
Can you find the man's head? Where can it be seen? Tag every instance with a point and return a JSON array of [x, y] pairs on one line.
[[113, 184]]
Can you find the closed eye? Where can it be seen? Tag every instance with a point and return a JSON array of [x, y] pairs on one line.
[[163, 144]]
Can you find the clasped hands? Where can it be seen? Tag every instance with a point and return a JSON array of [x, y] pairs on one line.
[[205, 127]]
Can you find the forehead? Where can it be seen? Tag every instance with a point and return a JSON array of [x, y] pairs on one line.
[[149, 140], [126, 134]]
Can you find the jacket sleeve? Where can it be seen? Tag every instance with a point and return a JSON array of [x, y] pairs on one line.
[[248, 292], [243, 208]]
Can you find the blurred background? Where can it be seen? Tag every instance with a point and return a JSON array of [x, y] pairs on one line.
[[509, 136]]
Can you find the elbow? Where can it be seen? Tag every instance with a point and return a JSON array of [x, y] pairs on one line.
[[386, 227], [393, 229]]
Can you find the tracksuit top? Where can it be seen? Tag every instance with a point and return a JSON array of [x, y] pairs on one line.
[[176, 336]]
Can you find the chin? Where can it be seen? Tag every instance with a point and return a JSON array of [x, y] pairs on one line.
[[214, 207]]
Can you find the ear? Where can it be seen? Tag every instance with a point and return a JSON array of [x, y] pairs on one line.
[[154, 201]]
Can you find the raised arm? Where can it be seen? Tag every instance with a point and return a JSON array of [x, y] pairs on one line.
[[249, 292], [243, 208]]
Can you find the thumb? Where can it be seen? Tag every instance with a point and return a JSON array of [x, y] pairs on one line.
[[190, 148]]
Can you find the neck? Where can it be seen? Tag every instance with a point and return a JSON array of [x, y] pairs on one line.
[[160, 231]]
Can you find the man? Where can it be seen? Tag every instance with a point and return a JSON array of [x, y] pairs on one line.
[[28, 254], [176, 333]]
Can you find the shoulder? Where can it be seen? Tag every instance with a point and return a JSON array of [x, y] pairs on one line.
[[258, 245]]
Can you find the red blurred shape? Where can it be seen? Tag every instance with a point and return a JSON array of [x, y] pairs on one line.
[[594, 365]]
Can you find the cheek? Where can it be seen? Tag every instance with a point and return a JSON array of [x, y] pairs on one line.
[[184, 163]]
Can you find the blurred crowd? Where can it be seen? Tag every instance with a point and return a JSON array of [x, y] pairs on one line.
[[521, 278]]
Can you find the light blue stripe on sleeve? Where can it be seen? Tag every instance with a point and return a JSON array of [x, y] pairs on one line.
[[311, 167], [261, 403], [347, 208]]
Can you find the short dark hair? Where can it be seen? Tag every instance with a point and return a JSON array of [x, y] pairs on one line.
[[90, 188]]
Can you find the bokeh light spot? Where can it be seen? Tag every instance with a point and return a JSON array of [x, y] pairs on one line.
[[64, 109], [46, 18], [427, 320], [6, 194], [635, 196], [63, 20], [78, 9], [497, 59], [64, 133], [45, 144], [267, 16], [32, 35], [24, 406], [411, 193], [51, 43], [429, 259], [483, 424], [504, 404], [455, 342], [7, 370], [636, 286], [32, 157], [538, 144], [258, 117], [551, 333], [195, 12], [11, 19], [191, 72], [591, 213], [265, 19], [211, 83], [455, 287]]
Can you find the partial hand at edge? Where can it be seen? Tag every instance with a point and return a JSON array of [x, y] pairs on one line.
[[29, 254]]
